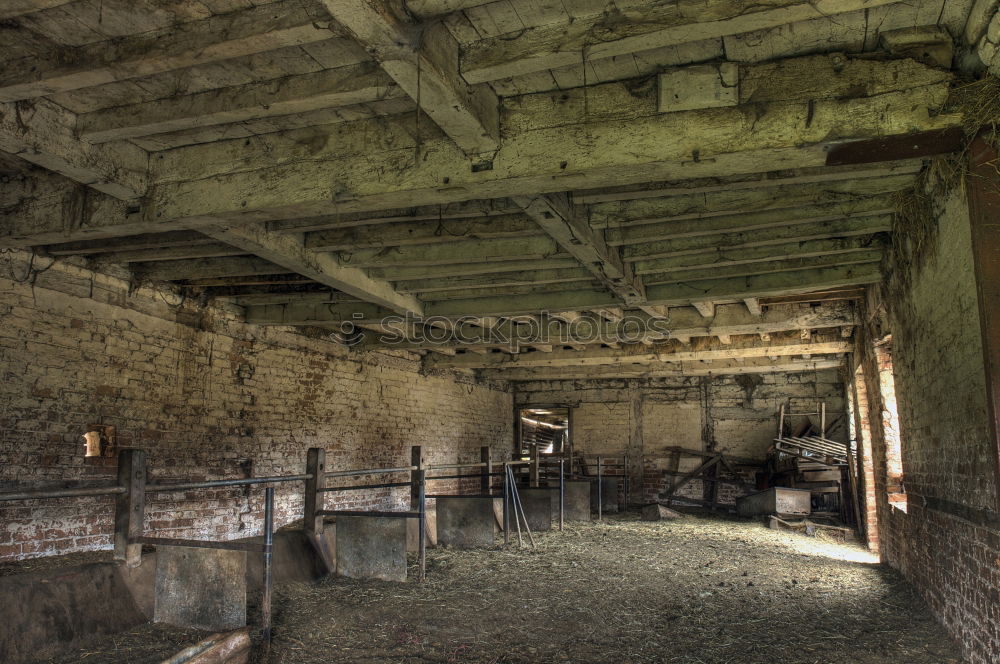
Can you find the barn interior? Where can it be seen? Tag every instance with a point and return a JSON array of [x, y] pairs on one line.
[[499, 331]]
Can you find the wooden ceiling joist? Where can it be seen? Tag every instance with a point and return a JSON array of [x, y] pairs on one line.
[[328, 88], [780, 345], [592, 37], [695, 368], [558, 218], [220, 37], [289, 252], [423, 60]]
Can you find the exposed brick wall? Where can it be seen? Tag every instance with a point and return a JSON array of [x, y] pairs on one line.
[[208, 397], [947, 540], [734, 415]]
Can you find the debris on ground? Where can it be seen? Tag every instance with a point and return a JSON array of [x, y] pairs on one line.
[[696, 590]]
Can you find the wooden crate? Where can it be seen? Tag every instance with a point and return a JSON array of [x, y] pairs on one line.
[[776, 500]]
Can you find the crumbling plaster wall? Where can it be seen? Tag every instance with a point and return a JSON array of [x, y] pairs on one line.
[[946, 540], [736, 415], [208, 397]]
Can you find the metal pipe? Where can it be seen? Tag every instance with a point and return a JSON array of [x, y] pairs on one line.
[[458, 477], [512, 491], [600, 492], [388, 485], [389, 515], [562, 493], [422, 524], [265, 603], [519, 506], [370, 471], [209, 484], [506, 507], [453, 466], [32, 494]]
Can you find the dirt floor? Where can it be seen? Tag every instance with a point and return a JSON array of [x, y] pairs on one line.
[[700, 590]]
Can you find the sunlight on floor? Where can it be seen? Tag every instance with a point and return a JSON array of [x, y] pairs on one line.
[[816, 547]]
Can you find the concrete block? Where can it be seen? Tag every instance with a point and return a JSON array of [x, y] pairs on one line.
[[200, 588], [578, 500], [609, 494], [703, 86], [538, 507], [656, 512], [371, 547], [465, 522]]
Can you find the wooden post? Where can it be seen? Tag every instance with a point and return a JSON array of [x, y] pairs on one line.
[[313, 503], [983, 185], [486, 480], [781, 421], [416, 460], [130, 506]]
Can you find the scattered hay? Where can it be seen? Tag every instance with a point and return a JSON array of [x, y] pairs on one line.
[[146, 644], [698, 590]]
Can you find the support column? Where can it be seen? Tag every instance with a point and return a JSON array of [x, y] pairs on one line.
[[983, 185], [313, 502], [130, 506]]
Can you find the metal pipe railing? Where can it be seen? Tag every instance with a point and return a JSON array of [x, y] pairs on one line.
[[36, 494]]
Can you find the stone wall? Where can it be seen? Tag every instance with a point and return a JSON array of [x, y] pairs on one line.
[[943, 533], [736, 415], [208, 397]]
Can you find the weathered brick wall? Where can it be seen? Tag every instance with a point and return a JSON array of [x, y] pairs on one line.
[[947, 540], [208, 397], [736, 415]]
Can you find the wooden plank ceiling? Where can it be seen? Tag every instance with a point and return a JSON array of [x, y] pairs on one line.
[[575, 189]]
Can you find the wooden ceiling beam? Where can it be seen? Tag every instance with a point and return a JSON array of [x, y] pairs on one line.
[[560, 221], [636, 29], [328, 88], [693, 368], [423, 60], [43, 133], [14, 8], [289, 252], [221, 37], [785, 344]]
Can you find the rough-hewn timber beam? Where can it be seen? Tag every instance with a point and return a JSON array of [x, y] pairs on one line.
[[500, 249], [220, 37], [497, 280], [726, 257], [683, 323], [424, 62], [422, 232], [635, 29], [288, 177], [289, 252], [694, 368], [861, 225], [431, 8], [15, 8], [329, 88], [43, 133], [782, 345], [557, 217], [781, 283], [764, 267], [204, 268]]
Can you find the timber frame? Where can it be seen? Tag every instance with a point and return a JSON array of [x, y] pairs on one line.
[[519, 190]]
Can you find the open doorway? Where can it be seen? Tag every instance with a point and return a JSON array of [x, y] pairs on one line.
[[543, 429]]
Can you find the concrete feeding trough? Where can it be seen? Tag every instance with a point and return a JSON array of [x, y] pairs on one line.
[[200, 588], [577, 500], [609, 493], [371, 547], [541, 506], [776, 500], [465, 522]]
